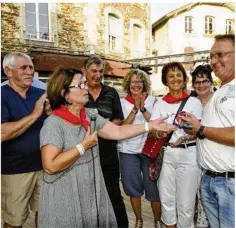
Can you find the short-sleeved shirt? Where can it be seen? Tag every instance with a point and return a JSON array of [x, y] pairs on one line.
[[218, 112], [135, 144], [21, 154], [162, 108], [72, 191], [108, 106]]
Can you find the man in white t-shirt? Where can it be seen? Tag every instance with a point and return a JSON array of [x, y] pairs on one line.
[[216, 138]]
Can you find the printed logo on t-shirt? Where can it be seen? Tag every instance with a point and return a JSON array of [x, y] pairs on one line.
[[230, 93]]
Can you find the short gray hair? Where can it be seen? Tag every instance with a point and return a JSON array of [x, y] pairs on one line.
[[93, 59], [9, 59]]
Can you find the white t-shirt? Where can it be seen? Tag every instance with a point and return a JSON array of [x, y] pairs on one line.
[[218, 112], [162, 108], [135, 145]]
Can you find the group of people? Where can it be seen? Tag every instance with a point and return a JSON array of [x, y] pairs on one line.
[[63, 150]]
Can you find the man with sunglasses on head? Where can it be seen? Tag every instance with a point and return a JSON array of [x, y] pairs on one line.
[[22, 116], [216, 141], [106, 100]]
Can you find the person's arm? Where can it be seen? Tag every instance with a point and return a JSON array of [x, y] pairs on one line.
[[138, 105], [54, 160], [130, 118], [183, 139], [117, 113], [12, 130], [220, 135], [117, 121], [114, 132], [147, 114]]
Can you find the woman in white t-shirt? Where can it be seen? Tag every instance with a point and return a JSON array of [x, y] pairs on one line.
[[137, 107], [178, 181]]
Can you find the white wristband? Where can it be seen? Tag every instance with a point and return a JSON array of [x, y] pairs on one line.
[[146, 127], [80, 148]]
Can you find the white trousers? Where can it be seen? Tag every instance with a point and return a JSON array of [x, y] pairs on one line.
[[178, 184]]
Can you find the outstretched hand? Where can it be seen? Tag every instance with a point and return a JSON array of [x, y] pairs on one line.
[[161, 126], [90, 140]]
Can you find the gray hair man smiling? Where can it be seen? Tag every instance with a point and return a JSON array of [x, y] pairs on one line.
[[216, 141], [22, 117]]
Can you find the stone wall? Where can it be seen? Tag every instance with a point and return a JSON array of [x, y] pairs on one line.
[[71, 31], [76, 26], [10, 36], [135, 11]]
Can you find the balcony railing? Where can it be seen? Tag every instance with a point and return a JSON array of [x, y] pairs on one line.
[[38, 36]]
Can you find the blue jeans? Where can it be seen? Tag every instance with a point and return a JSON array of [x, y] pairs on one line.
[[217, 195]]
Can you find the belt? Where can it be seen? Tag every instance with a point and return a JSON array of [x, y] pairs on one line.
[[185, 145], [216, 174]]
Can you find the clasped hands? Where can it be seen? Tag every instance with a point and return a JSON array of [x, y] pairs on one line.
[[139, 101]]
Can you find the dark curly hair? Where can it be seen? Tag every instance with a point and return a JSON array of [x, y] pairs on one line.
[[172, 65], [60, 79], [201, 71]]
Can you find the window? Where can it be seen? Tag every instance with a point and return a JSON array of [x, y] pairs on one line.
[[113, 25], [188, 24], [37, 21], [229, 26], [209, 25], [136, 38]]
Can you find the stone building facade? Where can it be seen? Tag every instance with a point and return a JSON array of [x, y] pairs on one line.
[[66, 33], [189, 29]]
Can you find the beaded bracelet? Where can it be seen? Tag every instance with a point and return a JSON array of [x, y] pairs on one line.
[[80, 148]]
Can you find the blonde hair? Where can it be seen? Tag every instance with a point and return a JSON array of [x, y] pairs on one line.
[[143, 76]]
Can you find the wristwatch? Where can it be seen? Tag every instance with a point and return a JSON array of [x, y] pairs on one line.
[[200, 133], [143, 110]]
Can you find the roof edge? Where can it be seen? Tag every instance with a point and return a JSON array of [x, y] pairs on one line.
[[187, 7]]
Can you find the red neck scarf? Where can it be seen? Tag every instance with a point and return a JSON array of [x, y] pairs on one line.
[[170, 99], [65, 114], [131, 100]]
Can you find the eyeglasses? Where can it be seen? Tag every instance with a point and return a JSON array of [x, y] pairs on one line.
[[203, 82], [220, 55], [136, 82], [81, 85]]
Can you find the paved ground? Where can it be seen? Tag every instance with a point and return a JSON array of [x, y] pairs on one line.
[[146, 209], [147, 214]]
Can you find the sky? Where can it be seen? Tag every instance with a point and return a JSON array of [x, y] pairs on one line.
[[161, 8]]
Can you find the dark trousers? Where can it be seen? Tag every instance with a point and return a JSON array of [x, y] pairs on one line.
[[111, 175]]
